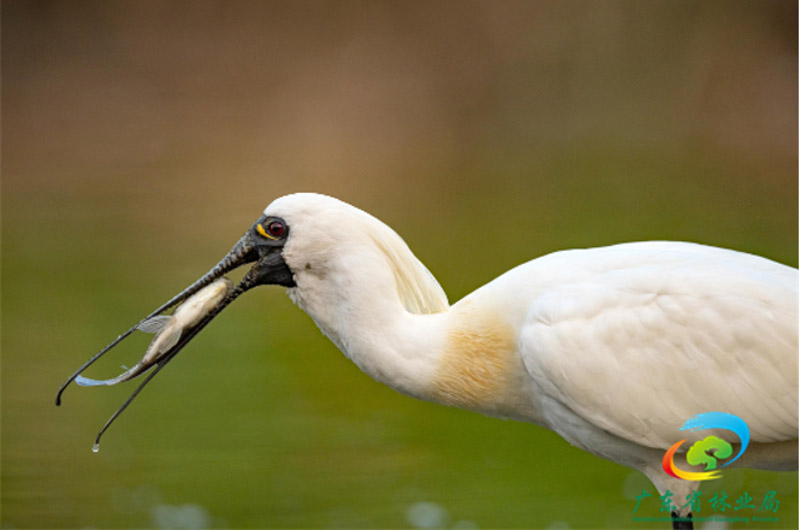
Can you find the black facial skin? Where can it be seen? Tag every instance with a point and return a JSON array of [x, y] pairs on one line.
[[262, 245], [270, 269]]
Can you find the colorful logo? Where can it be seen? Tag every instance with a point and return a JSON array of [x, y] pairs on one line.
[[710, 449]]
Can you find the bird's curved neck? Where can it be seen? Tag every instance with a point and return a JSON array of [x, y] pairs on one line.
[[367, 321], [465, 356]]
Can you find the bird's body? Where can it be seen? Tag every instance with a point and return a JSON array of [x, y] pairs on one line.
[[613, 348]]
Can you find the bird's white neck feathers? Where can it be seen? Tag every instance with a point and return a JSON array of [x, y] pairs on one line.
[[418, 290]]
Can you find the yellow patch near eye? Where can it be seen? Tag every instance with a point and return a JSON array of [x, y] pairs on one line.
[[264, 232]]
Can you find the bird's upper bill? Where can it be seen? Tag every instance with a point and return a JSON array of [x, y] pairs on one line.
[[261, 245]]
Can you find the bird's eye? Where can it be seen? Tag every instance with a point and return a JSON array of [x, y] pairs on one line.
[[276, 229]]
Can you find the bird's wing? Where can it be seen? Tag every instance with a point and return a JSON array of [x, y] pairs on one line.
[[637, 338]]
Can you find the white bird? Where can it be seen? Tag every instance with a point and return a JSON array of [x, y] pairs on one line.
[[613, 348]]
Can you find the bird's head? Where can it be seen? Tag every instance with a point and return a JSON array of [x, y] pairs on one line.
[[298, 237]]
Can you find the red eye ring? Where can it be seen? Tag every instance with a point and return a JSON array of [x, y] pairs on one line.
[[276, 229]]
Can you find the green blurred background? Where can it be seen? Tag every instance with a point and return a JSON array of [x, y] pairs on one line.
[[141, 138]]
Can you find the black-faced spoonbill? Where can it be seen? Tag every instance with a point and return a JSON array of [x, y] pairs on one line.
[[613, 348]]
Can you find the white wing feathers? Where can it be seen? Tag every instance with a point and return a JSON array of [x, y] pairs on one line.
[[637, 338]]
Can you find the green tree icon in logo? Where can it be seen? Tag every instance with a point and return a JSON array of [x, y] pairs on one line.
[[707, 451]]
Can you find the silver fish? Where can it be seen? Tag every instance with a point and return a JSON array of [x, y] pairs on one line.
[[168, 330]]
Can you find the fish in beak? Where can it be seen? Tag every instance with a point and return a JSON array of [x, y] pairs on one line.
[[203, 300], [169, 328]]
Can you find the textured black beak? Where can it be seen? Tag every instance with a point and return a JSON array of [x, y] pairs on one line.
[[252, 247]]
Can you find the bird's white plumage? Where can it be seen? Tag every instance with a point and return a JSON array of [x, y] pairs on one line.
[[614, 348], [639, 337]]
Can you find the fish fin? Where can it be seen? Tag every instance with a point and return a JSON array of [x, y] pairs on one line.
[[169, 339], [155, 324]]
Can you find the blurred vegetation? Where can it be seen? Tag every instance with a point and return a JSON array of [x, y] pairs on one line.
[[141, 138]]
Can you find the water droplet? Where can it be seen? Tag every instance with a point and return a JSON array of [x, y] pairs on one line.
[[96, 447]]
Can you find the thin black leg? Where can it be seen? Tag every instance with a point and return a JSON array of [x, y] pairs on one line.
[[682, 522]]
